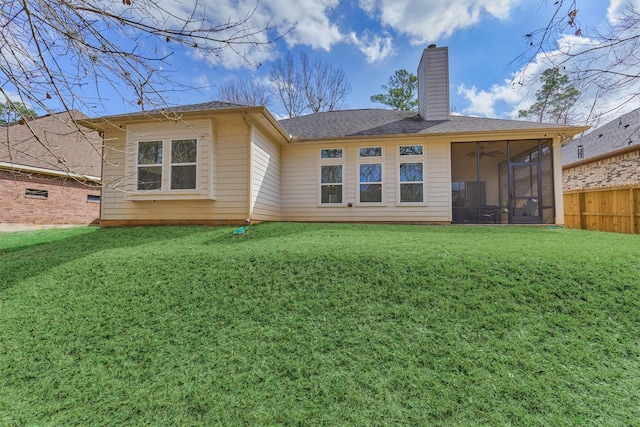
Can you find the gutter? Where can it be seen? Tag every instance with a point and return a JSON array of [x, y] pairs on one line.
[[43, 171], [462, 136]]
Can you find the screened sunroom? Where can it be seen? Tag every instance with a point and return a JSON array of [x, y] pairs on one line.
[[502, 182]]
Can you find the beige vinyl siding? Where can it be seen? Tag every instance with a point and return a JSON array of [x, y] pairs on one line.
[[300, 183], [113, 174], [232, 145], [265, 176], [223, 171]]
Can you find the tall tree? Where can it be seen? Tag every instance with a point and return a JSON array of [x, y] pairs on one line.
[[401, 92], [308, 86], [245, 93], [14, 111], [287, 85], [554, 99], [599, 61], [325, 86]]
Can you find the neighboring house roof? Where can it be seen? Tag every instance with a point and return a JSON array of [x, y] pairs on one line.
[[617, 136], [372, 122], [52, 144]]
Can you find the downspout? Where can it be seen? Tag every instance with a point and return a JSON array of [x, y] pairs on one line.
[[103, 152], [556, 155], [249, 169]]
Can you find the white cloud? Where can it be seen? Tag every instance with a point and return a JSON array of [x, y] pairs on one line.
[[368, 6], [310, 23], [430, 21], [483, 102], [304, 22], [617, 8], [374, 47], [201, 82], [309, 20]]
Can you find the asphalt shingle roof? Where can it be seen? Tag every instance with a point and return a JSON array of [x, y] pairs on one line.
[[203, 106], [211, 105], [369, 122], [61, 147], [616, 135]]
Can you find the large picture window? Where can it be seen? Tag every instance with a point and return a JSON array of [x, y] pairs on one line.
[[411, 174], [331, 176], [167, 164]]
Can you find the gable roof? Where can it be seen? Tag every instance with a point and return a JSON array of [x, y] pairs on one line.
[[190, 111], [378, 122], [617, 136], [52, 144]]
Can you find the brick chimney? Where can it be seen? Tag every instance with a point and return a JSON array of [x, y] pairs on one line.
[[433, 83]]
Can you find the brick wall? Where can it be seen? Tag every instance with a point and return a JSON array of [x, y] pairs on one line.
[[619, 170], [66, 200]]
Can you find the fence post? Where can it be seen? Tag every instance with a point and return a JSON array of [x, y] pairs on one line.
[[582, 218], [634, 209]]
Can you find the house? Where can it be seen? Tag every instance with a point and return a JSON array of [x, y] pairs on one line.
[[49, 173], [217, 163], [608, 156]]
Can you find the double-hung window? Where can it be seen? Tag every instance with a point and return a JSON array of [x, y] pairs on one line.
[[170, 161], [411, 174], [184, 157], [370, 175], [167, 164], [149, 165], [331, 176]]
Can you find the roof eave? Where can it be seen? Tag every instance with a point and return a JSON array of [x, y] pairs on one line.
[[562, 133], [118, 121], [51, 172]]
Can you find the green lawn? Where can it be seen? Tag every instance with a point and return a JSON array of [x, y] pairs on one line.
[[312, 324]]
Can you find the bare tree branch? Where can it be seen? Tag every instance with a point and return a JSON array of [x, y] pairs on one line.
[[67, 55], [308, 86], [598, 61], [244, 93]]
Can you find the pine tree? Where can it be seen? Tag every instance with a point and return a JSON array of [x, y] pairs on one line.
[[554, 99], [401, 92]]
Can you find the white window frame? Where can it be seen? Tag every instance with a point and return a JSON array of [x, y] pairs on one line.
[[167, 165], [411, 158], [331, 161], [199, 130], [172, 164], [370, 160], [139, 165]]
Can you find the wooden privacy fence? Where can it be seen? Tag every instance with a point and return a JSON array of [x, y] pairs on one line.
[[614, 209]]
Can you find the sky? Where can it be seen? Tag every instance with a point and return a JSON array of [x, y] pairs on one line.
[[371, 39]]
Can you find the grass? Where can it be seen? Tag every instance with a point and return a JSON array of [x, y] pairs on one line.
[[311, 324]]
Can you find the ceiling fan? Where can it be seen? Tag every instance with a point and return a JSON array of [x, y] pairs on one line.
[[484, 153]]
